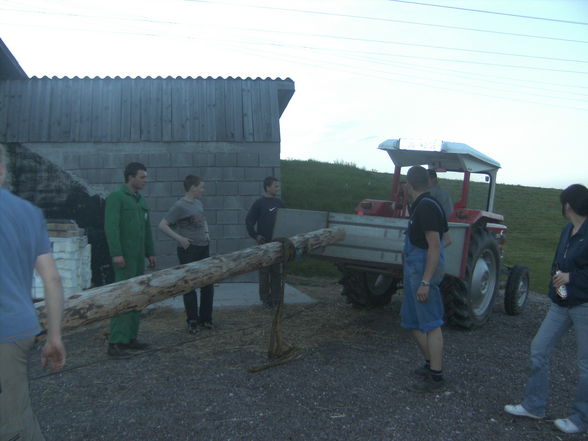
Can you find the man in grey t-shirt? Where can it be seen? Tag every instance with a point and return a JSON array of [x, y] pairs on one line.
[[187, 214]]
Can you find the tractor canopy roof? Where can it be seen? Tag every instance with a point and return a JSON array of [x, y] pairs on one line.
[[443, 155]]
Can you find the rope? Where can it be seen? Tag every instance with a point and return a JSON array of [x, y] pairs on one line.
[[277, 352]]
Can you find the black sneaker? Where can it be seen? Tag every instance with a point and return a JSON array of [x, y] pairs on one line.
[[207, 325], [422, 371], [193, 327], [428, 385], [136, 345], [117, 350]]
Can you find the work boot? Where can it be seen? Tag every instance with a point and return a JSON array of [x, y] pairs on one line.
[[192, 327], [136, 345], [422, 371], [428, 385], [117, 350], [268, 305], [207, 325]]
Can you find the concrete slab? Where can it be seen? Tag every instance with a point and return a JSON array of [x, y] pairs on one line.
[[239, 295]]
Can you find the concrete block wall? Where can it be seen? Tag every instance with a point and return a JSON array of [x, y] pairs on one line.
[[233, 175]]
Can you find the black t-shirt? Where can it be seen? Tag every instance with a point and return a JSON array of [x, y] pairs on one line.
[[426, 214], [261, 217]]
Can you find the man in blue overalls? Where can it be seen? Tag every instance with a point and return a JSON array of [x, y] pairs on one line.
[[422, 306]]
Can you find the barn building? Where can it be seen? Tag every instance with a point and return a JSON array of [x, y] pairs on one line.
[[69, 140]]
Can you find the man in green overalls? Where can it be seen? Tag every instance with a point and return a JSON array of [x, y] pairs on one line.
[[128, 232]]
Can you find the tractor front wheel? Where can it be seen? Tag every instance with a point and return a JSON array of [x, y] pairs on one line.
[[517, 290], [363, 288], [469, 302]]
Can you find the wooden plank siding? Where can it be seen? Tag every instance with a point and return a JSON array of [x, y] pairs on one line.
[[179, 111], [76, 110], [125, 109], [166, 110], [137, 109], [25, 114], [234, 110], [14, 106], [85, 129], [145, 111], [210, 127], [4, 87], [247, 111]]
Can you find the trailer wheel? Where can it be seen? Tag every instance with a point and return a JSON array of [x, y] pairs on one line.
[[363, 288], [517, 290], [469, 303]]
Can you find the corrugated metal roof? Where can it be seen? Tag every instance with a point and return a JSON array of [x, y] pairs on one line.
[[169, 77]]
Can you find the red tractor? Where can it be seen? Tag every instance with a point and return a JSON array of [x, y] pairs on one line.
[[370, 256], [473, 260]]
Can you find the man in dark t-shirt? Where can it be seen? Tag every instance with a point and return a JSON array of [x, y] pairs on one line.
[[260, 222], [422, 306]]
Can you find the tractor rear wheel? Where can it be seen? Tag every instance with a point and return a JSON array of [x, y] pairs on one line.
[[455, 296], [517, 290], [363, 288], [469, 302]]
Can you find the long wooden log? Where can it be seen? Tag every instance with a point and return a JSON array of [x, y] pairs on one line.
[[134, 294]]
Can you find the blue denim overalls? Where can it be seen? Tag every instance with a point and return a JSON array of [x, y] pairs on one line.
[[428, 316]]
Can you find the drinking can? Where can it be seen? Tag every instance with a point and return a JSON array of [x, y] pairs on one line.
[[562, 291]]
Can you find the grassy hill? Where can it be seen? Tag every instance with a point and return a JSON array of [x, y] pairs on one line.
[[533, 215]]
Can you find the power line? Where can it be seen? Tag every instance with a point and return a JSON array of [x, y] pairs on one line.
[[575, 98], [526, 80], [369, 57], [386, 75], [365, 40], [513, 66], [393, 55], [471, 76], [492, 12], [435, 47], [430, 46], [451, 60], [390, 20]]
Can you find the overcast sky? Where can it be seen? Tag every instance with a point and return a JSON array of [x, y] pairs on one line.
[[509, 78]]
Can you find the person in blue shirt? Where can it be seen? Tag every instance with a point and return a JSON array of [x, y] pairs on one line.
[[24, 246], [568, 291]]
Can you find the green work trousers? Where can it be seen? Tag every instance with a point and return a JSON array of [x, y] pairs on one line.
[[17, 420], [125, 327]]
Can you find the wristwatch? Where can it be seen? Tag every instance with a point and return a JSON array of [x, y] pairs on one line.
[[425, 283]]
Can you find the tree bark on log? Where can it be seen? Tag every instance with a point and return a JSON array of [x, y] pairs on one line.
[[134, 294]]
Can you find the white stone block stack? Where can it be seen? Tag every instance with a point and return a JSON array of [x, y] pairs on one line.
[[72, 254]]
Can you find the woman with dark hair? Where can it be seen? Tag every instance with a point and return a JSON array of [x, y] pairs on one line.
[[568, 292]]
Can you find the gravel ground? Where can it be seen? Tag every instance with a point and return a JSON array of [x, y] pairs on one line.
[[350, 381]]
